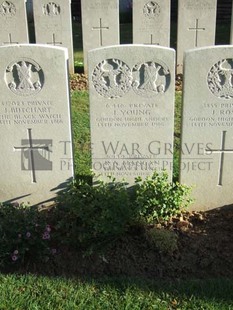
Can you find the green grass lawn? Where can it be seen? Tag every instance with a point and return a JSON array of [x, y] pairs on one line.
[[30, 292], [81, 132]]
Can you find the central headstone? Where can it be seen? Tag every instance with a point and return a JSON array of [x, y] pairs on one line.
[[36, 146], [196, 26], [53, 25], [13, 22], [132, 110], [207, 129], [151, 22], [100, 24]]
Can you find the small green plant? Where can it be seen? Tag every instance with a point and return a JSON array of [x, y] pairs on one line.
[[159, 199], [94, 214], [163, 240], [24, 235]]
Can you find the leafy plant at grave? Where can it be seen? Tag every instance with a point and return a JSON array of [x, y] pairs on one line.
[[158, 199], [25, 236], [163, 240], [93, 215]]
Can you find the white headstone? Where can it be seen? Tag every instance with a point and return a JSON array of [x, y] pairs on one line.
[[132, 110], [100, 24], [53, 25], [36, 148], [151, 22], [207, 130], [13, 22], [196, 26]]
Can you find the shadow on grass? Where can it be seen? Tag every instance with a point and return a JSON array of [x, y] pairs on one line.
[[122, 292]]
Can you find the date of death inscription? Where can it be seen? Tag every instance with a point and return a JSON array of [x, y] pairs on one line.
[[29, 113], [213, 115], [134, 115]]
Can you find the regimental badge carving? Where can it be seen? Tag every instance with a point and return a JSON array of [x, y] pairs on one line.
[[151, 78], [151, 9], [112, 78], [51, 9], [24, 77], [7, 8], [220, 79]]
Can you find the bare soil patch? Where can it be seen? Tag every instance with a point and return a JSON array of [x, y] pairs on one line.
[[204, 250]]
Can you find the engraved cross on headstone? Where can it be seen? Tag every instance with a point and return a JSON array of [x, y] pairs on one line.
[[222, 152], [31, 150], [10, 40], [54, 41], [151, 41], [100, 28], [196, 29]]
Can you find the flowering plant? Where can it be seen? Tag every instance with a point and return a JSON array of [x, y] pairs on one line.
[[25, 236]]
